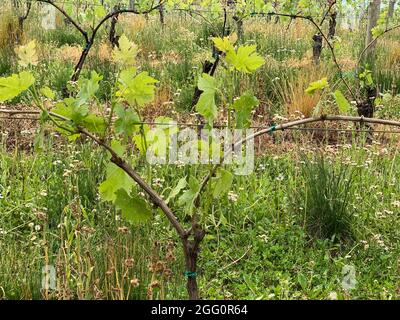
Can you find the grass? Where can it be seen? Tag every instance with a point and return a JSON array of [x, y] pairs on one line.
[[325, 199], [54, 217], [256, 246]]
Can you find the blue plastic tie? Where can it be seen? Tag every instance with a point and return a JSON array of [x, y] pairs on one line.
[[189, 274]]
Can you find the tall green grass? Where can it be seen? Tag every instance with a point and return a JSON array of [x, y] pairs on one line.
[[325, 199]]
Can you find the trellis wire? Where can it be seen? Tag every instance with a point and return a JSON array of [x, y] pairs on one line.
[[218, 126]]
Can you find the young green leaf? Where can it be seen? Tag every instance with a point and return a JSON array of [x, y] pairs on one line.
[[127, 122], [69, 109], [206, 105], [88, 88], [125, 54], [99, 11], [222, 183], [317, 85], [224, 44], [116, 179], [118, 147], [302, 280], [243, 107], [207, 83], [136, 89], [187, 198], [48, 93], [140, 139], [178, 188], [158, 139], [246, 59], [133, 209], [11, 87], [27, 54], [342, 102], [94, 123]]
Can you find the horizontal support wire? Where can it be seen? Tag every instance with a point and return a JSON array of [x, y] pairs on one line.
[[216, 126]]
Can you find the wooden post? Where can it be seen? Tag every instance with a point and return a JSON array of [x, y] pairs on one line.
[[317, 48], [373, 16], [161, 11], [390, 12]]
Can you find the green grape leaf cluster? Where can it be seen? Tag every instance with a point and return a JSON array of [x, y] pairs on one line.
[[76, 108], [243, 108], [188, 197], [125, 54], [134, 209], [343, 104], [136, 89], [13, 86], [317, 85], [206, 105], [244, 59], [221, 183]]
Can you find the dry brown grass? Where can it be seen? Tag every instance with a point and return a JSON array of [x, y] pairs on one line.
[[68, 53], [348, 63], [132, 24], [293, 91], [390, 57], [305, 62], [104, 52], [8, 27], [297, 30], [162, 105]]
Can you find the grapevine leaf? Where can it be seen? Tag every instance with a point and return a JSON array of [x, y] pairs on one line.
[[222, 183], [243, 107], [47, 92], [302, 280], [69, 109], [126, 53], [27, 54], [187, 198], [140, 142], [246, 59], [94, 123], [80, 115], [342, 102], [206, 105], [99, 11], [134, 209], [317, 85], [118, 147], [136, 90], [207, 83], [178, 188], [116, 179], [158, 139], [127, 122], [88, 88], [12, 86], [224, 44]]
